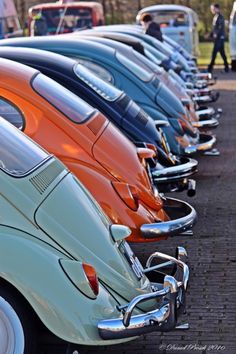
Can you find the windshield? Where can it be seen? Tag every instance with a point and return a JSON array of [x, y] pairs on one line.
[[171, 18], [67, 19], [18, 154], [137, 70], [67, 102], [102, 88]]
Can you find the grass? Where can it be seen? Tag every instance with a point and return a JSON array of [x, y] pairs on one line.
[[205, 54]]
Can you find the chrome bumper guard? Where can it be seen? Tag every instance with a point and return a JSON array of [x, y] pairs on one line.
[[186, 168], [171, 296], [182, 217], [206, 142]]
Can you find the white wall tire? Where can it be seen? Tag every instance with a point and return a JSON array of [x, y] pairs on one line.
[[12, 339]]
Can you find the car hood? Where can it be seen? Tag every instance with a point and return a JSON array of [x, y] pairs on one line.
[[83, 231], [169, 103], [120, 157]]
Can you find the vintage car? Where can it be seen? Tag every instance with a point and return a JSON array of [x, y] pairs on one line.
[[188, 71], [139, 82], [161, 60], [108, 164], [164, 48], [65, 265], [232, 37], [178, 22], [171, 172], [68, 17], [110, 39]]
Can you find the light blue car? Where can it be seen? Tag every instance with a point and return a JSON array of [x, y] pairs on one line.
[[232, 37], [179, 23]]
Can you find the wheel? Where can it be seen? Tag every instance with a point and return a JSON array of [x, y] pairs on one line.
[[17, 331], [233, 65], [72, 349]]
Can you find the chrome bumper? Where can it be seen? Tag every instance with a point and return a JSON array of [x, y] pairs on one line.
[[171, 295], [204, 76], [206, 124], [182, 217], [202, 99], [186, 168], [206, 143], [205, 113]]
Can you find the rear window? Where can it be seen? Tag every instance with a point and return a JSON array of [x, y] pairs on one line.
[[11, 113], [18, 154], [137, 70], [67, 19], [102, 88], [171, 18], [64, 100]]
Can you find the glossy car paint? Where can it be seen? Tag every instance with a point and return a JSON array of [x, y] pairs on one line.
[[89, 150], [167, 80], [143, 93], [122, 111], [36, 231]]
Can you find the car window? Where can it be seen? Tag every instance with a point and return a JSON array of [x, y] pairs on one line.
[[137, 70], [18, 153], [64, 100], [147, 64], [96, 69], [12, 114], [102, 88], [67, 19], [171, 18]]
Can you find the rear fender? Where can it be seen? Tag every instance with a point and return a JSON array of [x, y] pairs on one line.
[[34, 270]]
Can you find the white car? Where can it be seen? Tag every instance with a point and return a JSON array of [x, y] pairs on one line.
[[177, 22], [232, 37]]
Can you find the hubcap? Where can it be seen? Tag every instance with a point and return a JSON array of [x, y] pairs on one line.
[[11, 331]]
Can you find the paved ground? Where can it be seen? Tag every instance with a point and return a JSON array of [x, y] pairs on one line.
[[211, 302]]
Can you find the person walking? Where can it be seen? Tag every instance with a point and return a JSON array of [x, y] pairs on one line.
[[38, 26], [218, 36], [150, 27]]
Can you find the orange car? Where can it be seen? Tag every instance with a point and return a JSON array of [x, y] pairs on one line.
[[107, 163]]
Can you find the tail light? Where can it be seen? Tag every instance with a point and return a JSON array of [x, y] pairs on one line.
[[128, 194], [92, 277], [186, 126], [152, 147]]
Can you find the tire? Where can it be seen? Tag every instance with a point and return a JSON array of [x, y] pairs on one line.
[[17, 329], [233, 65]]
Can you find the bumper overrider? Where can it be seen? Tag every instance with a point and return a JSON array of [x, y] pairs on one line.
[[182, 218], [170, 295], [206, 142]]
